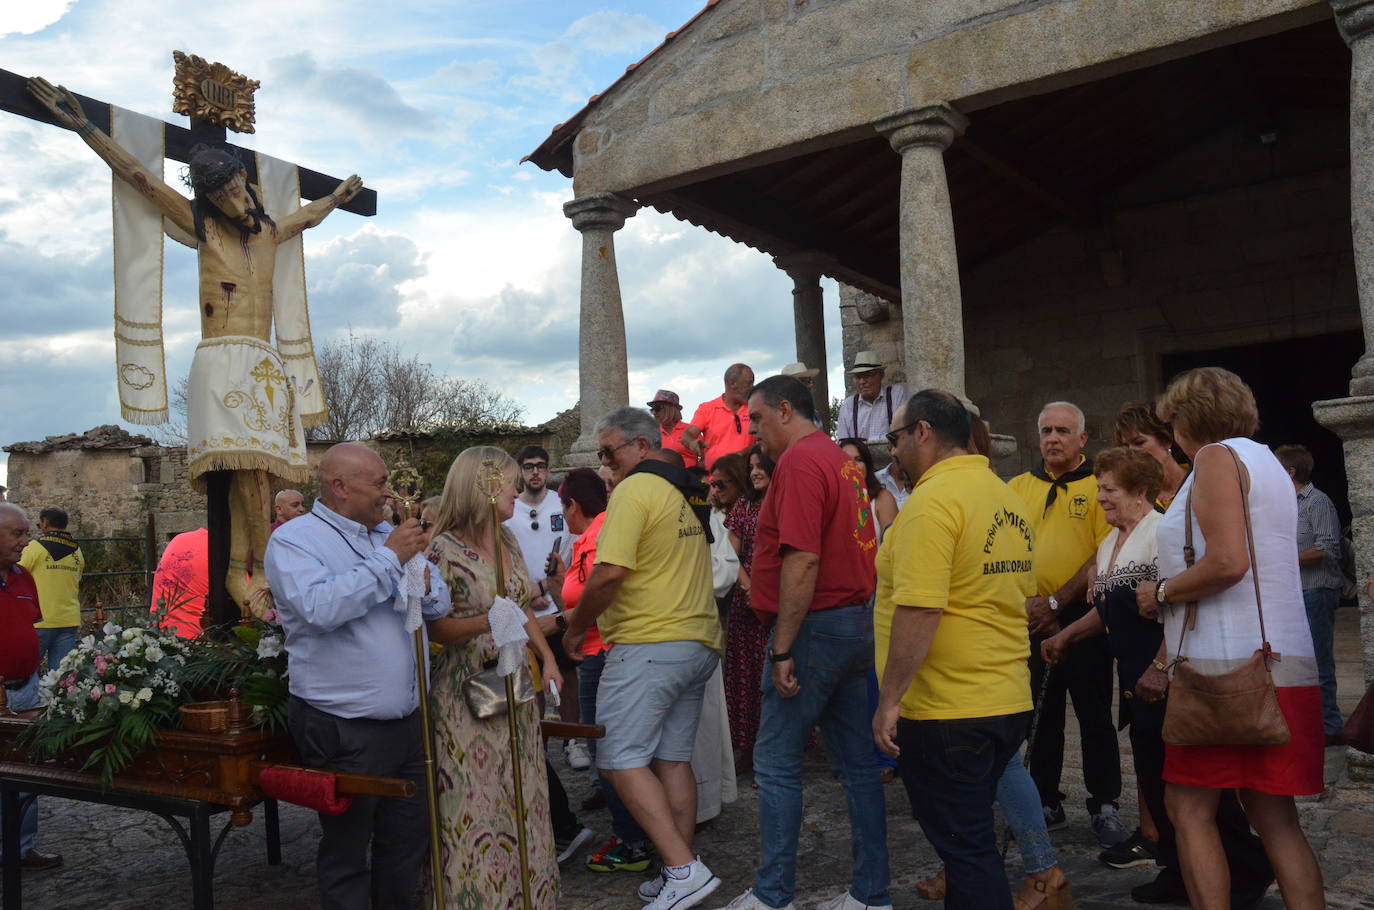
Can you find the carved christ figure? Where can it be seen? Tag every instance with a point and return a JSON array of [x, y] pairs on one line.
[[241, 409]]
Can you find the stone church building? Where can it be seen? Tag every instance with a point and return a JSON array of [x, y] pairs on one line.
[[1023, 200]]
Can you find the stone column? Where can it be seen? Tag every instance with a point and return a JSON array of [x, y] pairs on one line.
[[1353, 418], [932, 309], [808, 314], [602, 372]]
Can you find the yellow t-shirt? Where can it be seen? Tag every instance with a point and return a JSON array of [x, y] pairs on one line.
[[1067, 533], [666, 596], [961, 544], [58, 582]]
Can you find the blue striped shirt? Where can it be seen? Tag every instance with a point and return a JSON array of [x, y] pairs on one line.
[[1319, 528]]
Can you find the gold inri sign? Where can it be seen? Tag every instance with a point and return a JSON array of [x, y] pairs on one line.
[[212, 92]]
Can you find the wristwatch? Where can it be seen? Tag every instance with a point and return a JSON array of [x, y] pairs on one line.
[[1160, 597], [776, 657], [1054, 603], [561, 621]]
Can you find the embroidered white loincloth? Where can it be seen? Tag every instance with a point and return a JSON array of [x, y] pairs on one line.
[[241, 412]]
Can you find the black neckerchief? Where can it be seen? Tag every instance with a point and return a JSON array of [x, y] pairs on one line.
[[59, 544], [691, 490], [1063, 480]]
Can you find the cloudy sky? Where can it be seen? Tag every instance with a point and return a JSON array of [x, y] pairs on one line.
[[469, 262]]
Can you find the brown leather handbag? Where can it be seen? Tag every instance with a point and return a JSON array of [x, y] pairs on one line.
[[1238, 708]]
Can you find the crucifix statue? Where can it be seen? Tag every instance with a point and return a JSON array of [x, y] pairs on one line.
[[244, 421]]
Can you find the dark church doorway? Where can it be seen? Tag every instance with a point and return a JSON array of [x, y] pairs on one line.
[[1287, 376]]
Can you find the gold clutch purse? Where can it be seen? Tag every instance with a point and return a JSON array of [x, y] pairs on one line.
[[485, 690]]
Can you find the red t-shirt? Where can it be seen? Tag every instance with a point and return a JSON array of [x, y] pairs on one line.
[[182, 582], [575, 581], [19, 610], [816, 502], [722, 430], [672, 439]]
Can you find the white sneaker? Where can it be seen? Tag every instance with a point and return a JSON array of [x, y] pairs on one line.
[[846, 901], [681, 893], [575, 751], [747, 901], [649, 890]]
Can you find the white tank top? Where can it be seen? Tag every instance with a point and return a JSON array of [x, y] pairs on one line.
[[1228, 628]]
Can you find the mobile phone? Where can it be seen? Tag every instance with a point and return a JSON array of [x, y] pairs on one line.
[[549, 563]]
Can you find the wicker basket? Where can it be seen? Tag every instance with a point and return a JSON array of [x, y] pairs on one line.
[[205, 716]]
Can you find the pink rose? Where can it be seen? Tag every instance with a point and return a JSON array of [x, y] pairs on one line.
[[96, 693], [270, 616], [109, 688]]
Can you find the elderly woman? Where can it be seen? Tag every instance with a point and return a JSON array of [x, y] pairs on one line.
[[1213, 415], [1138, 427], [478, 824]]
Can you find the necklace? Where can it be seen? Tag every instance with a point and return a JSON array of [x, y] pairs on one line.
[[344, 537]]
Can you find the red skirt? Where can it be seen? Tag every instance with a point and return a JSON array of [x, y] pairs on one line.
[[1293, 769]]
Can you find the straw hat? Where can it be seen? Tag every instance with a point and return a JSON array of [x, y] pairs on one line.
[[799, 370], [865, 361]]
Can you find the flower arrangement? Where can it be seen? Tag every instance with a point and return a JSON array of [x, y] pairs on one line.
[[111, 693], [250, 658]]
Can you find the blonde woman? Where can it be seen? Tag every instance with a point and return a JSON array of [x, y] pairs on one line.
[[478, 821]]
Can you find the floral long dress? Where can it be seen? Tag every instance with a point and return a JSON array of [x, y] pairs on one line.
[[477, 823], [746, 638]]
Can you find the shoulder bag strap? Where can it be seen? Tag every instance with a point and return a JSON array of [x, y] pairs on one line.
[[1189, 556], [1250, 543]]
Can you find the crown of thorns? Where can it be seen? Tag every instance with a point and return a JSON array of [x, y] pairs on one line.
[[210, 168]]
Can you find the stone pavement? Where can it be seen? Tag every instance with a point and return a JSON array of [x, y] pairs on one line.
[[123, 860]]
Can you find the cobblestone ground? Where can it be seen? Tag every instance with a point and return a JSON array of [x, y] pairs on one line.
[[124, 860]]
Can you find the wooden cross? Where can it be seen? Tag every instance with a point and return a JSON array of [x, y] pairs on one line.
[[215, 98]]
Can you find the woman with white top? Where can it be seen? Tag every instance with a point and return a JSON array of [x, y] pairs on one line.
[[1213, 413]]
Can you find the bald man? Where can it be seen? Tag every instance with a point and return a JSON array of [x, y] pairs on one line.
[[287, 504], [336, 574], [19, 610]]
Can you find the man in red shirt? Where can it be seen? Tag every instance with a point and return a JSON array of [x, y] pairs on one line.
[[721, 425], [813, 577], [667, 410], [182, 582], [19, 610]]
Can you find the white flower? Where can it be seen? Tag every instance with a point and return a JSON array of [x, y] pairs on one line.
[[153, 652], [130, 634], [135, 704], [125, 696], [269, 646], [88, 642], [110, 629], [144, 694]]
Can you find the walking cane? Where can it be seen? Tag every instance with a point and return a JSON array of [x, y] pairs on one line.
[[490, 481], [406, 480]]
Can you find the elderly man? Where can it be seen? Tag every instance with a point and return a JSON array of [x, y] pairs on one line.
[[1319, 565], [804, 374], [812, 579], [338, 580], [650, 594], [667, 410], [1060, 499], [56, 563], [721, 425], [286, 505], [867, 413], [954, 705], [19, 610]]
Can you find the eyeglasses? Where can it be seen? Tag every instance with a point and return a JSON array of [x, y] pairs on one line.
[[896, 435], [534, 520], [717, 484], [426, 524], [607, 453], [739, 427], [532, 466]]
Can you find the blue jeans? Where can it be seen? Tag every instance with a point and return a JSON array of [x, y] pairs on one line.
[[19, 699], [833, 655], [1020, 802], [623, 824], [1321, 606], [55, 643], [950, 769]]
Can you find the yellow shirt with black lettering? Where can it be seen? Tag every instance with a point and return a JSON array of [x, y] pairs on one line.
[[1067, 533], [666, 595], [58, 582], [961, 544]]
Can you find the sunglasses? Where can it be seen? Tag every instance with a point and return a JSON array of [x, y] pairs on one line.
[[426, 524], [717, 484], [739, 427], [534, 520], [896, 434]]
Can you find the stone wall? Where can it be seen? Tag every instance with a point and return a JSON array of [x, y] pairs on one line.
[[1071, 316], [761, 78]]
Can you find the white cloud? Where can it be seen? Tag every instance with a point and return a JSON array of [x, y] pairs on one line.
[[32, 16]]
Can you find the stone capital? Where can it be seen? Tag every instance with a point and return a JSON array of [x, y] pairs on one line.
[[1354, 19], [605, 211], [805, 267], [937, 125]]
